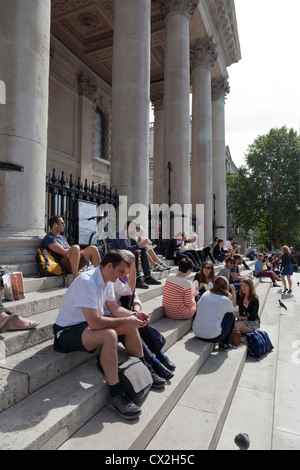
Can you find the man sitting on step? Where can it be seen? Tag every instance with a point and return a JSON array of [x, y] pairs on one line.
[[81, 325], [71, 258]]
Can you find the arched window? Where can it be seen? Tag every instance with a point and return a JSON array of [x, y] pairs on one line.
[[99, 145]]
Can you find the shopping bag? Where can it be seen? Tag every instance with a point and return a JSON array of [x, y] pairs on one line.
[[14, 286]]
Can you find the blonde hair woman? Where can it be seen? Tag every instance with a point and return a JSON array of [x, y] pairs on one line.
[[287, 262]]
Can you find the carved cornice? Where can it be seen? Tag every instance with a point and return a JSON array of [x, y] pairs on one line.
[[181, 7], [225, 23], [204, 53], [86, 87], [220, 88]]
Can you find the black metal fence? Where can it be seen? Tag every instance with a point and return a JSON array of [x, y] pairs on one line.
[[77, 203]]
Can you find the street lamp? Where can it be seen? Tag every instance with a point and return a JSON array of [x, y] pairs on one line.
[[270, 202]]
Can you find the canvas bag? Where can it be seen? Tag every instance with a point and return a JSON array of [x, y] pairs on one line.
[[14, 286], [135, 379], [258, 343]]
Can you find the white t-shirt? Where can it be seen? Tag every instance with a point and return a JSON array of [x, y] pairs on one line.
[[89, 291], [228, 245], [211, 309], [121, 289]]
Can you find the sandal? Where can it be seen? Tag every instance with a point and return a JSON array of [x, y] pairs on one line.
[[30, 326], [9, 322]]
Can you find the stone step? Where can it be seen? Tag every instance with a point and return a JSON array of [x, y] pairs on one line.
[[40, 364], [268, 391], [23, 375], [52, 414], [46, 296], [42, 306], [107, 431], [206, 402]]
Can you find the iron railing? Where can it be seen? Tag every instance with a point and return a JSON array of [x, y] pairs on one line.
[[77, 204]]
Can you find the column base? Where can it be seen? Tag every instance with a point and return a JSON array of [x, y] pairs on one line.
[[17, 252]]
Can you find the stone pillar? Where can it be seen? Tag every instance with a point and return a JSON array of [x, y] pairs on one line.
[[87, 94], [24, 67], [176, 96], [131, 100], [220, 88], [159, 188], [203, 57]]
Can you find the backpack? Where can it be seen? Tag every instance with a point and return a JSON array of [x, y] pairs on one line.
[[46, 264], [135, 378], [258, 343]]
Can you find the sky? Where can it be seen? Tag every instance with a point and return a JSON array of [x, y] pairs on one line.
[[265, 83]]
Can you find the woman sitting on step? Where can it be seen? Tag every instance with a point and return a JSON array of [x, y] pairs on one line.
[[179, 293], [215, 319], [247, 317], [205, 277]]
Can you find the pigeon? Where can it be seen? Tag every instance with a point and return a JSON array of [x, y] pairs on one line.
[[242, 441], [281, 304]]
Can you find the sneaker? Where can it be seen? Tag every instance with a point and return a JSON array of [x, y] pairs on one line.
[[165, 266], [289, 291], [151, 280], [158, 382], [123, 406], [141, 284], [158, 267]]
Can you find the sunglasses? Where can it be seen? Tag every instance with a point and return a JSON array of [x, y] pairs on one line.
[[207, 267]]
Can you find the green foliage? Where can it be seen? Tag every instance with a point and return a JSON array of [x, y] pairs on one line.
[[272, 160]]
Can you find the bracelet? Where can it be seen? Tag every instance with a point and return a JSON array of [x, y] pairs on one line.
[[135, 312]]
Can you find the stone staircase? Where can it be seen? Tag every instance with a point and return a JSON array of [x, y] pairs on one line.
[[57, 401]]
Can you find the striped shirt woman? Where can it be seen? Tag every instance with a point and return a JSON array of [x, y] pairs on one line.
[[179, 293]]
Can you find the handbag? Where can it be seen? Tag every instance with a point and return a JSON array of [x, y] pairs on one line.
[[236, 337], [258, 343], [135, 379], [14, 286]]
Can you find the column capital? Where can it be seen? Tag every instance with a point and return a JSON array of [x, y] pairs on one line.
[[219, 88], [204, 52], [157, 100], [86, 87], [179, 7]]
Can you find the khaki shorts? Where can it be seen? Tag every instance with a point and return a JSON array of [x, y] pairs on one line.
[[66, 265]]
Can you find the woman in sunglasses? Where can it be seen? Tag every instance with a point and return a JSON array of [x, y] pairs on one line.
[[205, 277]]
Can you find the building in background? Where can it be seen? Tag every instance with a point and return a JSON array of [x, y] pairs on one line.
[[80, 78]]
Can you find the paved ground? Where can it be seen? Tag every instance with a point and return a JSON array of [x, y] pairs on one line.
[[266, 405]]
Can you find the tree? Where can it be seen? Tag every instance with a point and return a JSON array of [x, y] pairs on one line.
[[269, 180]]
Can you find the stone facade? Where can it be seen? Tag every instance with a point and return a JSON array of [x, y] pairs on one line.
[[74, 68]]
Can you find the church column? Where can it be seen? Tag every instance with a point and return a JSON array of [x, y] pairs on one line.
[[131, 100], [203, 56], [220, 88], [24, 59], [159, 188], [176, 96]]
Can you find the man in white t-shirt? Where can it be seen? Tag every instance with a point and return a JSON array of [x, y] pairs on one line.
[[81, 325]]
